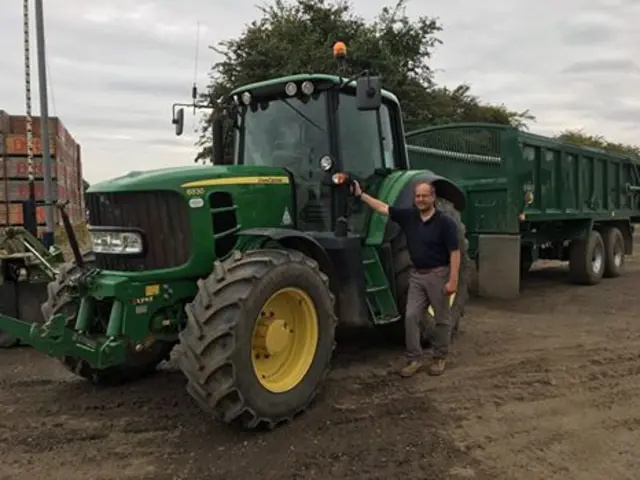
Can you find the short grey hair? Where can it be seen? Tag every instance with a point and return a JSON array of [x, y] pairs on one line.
[[424, 182]]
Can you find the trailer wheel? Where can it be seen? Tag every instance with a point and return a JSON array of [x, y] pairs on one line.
[[138, 365], [259, 338], [614, 252], [526, 260], [402, 266], [587, 259]]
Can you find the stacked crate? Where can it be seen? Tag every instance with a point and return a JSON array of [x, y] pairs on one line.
[[66, 169]]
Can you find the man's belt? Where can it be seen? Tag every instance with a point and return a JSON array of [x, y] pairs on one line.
[[430, 270]]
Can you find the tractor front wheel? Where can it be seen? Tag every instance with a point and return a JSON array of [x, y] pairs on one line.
[[259, 337]]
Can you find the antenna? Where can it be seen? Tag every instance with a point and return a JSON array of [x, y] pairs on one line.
[[178, 108], [194, 88]]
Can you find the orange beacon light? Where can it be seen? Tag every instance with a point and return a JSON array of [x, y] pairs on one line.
[[339, 50]]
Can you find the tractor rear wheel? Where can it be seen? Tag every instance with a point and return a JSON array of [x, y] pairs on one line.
[[402, 267], [259, 337], [139, 364]]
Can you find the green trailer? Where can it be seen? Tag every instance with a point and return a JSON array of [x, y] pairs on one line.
[[532, 197]]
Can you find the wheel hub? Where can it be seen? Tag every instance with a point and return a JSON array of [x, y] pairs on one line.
[[596, 261], [272, 337], [284, 339], [617, 258]]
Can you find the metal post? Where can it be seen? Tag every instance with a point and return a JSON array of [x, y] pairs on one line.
[[27, 91], [48, 238]]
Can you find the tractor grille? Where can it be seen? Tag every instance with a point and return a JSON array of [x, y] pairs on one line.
[[162, 215]]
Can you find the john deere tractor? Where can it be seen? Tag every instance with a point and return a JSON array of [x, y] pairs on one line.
[[248, 265]]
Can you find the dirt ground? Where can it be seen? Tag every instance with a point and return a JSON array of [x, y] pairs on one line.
[[543, 387]]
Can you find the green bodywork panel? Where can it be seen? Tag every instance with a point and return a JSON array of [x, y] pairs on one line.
[[197, 184]]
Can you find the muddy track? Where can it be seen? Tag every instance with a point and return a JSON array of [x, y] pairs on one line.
[[544, 387]]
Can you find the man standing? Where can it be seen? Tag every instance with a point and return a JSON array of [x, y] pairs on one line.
[[432, 241]]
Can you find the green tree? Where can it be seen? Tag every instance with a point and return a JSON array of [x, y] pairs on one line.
[[579, 137], [297, 37]]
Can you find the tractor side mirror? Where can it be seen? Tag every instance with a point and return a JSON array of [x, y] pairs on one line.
[[218, 140], [178, 121], [368, 93]]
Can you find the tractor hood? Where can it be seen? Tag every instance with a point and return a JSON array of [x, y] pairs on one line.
[[177, 178]]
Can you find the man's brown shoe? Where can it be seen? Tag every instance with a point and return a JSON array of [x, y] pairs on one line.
[[437, 367], [411, 368]]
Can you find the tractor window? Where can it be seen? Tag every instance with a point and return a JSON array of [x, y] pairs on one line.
[[387, 137], [289, 133], [359, 138], [292, 133]]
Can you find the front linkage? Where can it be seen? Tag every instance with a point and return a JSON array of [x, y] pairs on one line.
[[100, 323]]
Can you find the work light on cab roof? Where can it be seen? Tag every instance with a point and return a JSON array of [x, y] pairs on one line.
[[246, 98]]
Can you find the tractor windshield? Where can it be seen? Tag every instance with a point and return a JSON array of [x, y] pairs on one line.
[[284, 132], [291, 133]]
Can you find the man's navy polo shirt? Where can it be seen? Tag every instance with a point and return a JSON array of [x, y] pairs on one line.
[[431, 242]]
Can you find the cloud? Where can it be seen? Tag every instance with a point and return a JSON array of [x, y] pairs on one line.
[[117, 67], [606, 66]]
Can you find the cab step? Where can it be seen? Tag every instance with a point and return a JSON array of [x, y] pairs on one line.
[[382, 305]]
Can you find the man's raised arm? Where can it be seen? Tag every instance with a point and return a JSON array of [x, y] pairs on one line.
[[374, 203]]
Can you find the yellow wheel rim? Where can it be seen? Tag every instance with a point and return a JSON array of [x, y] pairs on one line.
[[432, 312], [284, 340]]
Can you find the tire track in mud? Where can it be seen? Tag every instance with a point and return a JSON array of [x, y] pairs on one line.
[[152, 429]]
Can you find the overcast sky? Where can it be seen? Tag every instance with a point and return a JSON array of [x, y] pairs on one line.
[[116, 67]]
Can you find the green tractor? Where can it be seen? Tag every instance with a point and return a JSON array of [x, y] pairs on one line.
[[248, 265]]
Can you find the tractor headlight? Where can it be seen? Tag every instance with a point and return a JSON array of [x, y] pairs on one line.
[[116, 242]]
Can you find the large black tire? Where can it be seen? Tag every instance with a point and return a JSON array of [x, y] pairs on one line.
[[7, 340], [138, 365], [614, 252], [402, 268], [216, 344], [526, 260], [587, 259]]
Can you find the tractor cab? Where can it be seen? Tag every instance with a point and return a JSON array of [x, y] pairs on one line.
[[324, 130]]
